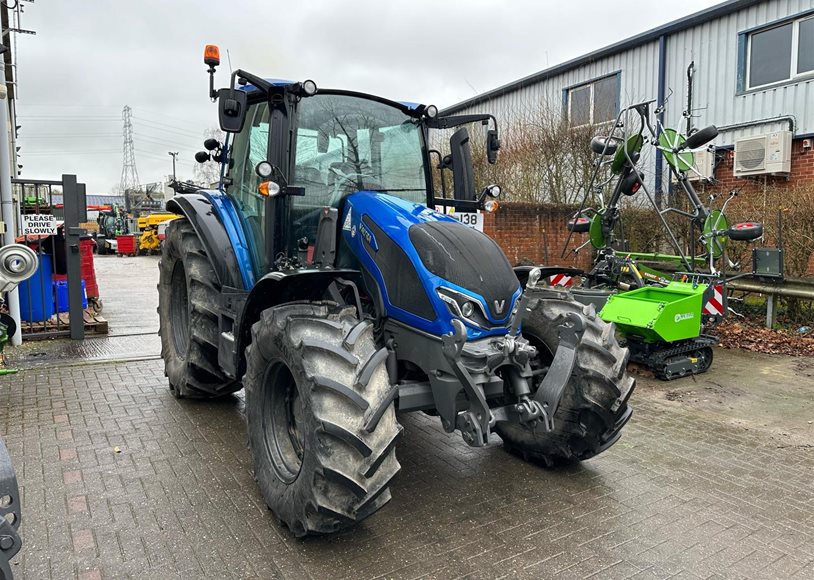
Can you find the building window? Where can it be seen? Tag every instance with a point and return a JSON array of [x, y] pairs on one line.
[[781, 53], [594, 102]]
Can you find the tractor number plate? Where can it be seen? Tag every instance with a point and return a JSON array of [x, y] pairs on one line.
[[473, 220]]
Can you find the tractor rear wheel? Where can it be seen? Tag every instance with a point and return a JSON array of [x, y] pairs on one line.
[[593, 408], [321, 419], [188, 294]]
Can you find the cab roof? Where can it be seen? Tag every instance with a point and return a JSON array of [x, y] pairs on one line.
[[409, 105]]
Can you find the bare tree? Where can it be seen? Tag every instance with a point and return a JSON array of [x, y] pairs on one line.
[[542, 159]]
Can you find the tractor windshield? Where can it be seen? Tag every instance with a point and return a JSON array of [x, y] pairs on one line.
[[346, 144]]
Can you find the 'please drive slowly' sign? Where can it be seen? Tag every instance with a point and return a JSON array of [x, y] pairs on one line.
[[38, 224]]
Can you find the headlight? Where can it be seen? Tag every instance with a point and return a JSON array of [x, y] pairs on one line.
[[464, 307]]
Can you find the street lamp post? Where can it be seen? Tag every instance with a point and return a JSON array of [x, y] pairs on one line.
[[173, 154]]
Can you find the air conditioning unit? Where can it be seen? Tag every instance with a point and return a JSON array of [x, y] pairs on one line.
[[763, 154], [704, 164]]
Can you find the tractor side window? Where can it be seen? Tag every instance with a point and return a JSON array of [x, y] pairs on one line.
[[249, 147]]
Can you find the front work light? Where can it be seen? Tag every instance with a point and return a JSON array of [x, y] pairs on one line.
[[264, 169], [309, 87]]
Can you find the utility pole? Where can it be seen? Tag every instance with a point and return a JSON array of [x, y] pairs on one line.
[[8, 164], [5, 182], [173, 154]]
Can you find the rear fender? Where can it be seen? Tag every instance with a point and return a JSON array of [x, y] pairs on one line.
[[280, 288]]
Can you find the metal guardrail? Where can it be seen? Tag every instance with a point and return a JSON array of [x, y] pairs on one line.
[[788, 288], [802, 288]]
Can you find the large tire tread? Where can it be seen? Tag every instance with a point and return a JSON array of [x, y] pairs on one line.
[[594, 405], [195, 373], [346, 469]]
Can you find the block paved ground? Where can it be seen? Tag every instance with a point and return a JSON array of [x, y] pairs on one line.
[[689, 492], [713, 478]]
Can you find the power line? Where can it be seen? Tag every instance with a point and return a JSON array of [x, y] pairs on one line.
[[73, 136], [169, 139], [166, 126], [64, 153], [70, 118]]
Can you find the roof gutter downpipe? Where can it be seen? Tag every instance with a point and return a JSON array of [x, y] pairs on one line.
[[662, 92]]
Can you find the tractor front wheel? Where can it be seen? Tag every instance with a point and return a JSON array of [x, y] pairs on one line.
[[593, 408], [188, 294], [320, 416]]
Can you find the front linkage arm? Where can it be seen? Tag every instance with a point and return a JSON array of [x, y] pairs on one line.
[[475, 423], [549, 393], [546, 400], [513, 357]]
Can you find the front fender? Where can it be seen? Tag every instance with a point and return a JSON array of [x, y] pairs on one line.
[[198, 209], [280, 288]]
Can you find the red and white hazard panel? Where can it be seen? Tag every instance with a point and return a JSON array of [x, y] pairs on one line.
[[715, 305], [560, 280]]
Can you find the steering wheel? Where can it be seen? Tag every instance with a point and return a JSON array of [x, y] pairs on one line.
[[349, 183]]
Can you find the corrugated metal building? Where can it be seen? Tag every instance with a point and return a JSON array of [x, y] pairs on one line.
[[753, 64]]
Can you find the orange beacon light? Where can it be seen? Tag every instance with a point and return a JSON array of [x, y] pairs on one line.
[[212, 55]]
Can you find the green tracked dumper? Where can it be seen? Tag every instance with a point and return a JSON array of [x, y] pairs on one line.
[[663, 326]]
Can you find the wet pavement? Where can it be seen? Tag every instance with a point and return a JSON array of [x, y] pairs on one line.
[[127, 286], [711, 479]]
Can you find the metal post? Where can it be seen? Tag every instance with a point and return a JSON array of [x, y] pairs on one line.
[[5, 194], [71, 203], [771, 311], [662, 92]]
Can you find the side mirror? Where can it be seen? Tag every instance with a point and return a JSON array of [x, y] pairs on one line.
[[492, 146], [232, 109], [211, 144], [462, 173], [202, 157]]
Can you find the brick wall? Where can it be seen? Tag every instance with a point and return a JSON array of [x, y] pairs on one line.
[[535, 233]]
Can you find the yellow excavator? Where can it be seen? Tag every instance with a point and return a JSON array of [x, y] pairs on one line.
[[149, 242]]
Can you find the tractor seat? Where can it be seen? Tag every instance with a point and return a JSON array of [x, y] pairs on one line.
[[312, 180], [344, 167]]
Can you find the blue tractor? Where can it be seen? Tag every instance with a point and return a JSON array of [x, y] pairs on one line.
[[319, 278]]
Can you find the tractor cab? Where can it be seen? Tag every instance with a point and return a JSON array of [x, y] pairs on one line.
[[293, 150]]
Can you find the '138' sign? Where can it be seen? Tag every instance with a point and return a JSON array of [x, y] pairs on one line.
[[473, 220]]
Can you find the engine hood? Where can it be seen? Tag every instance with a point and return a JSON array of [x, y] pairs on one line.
[[429, 268]]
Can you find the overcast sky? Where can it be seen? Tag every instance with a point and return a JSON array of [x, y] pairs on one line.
[[90, 58]]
